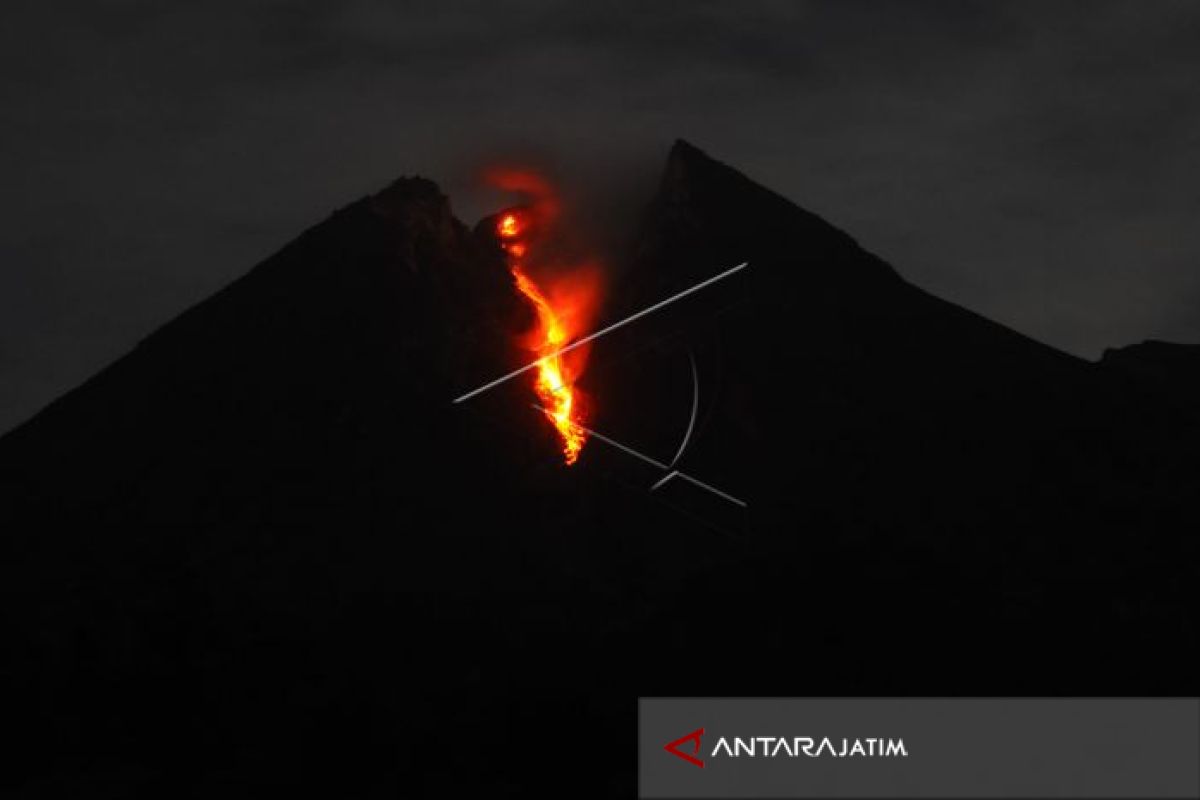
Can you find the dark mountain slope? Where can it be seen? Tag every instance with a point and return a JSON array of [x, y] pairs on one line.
[[1173, 368], [264, 550], [870, 397]]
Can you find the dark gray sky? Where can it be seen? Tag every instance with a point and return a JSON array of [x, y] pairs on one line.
[[1036, 162]]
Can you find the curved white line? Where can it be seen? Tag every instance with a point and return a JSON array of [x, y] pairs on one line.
[[695, 407]]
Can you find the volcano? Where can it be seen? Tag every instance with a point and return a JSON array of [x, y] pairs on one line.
[[266, 552]]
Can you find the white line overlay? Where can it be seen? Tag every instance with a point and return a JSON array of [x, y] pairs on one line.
[[673, 473], [619, 324]]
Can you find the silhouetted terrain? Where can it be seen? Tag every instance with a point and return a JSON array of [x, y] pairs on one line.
[[264, 550]]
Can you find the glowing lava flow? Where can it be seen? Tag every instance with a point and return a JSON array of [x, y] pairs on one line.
[[554, 385]]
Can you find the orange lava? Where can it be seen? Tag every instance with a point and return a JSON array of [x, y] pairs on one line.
[[560, 400], [508, 227], [553, 386]]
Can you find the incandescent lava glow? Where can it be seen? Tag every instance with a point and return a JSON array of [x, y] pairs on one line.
[[563, 305], [553, 388], [508, 227]]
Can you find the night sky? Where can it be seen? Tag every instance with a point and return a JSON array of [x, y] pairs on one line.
[[1036, 162]]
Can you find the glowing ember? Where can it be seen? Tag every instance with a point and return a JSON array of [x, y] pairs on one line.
[[508, 227], [554, 384]]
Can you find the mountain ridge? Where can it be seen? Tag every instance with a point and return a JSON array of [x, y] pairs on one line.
[[268, 531]]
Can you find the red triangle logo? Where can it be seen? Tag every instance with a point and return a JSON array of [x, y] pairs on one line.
[[694, 738]]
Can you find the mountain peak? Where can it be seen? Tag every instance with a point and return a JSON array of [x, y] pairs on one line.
[[708, 216], [407, 193], [270, 530], [682, 152]]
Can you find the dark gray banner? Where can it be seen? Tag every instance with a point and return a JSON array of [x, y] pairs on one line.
[[993, 747]]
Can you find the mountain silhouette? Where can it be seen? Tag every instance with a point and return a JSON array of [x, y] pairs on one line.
[[264, 551]]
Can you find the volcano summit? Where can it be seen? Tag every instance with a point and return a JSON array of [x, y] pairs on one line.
[[265, 549]]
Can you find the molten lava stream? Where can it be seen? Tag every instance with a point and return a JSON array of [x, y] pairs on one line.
[[554, 383]]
